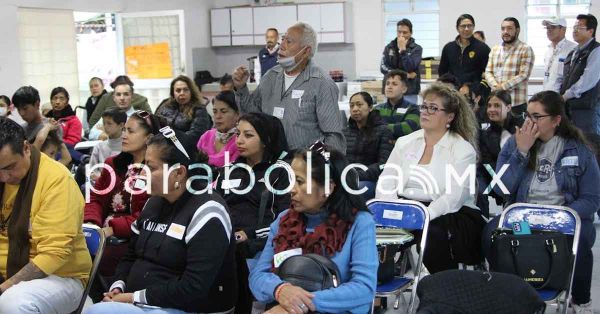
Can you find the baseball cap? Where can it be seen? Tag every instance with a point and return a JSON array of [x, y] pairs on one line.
[[555, 22]]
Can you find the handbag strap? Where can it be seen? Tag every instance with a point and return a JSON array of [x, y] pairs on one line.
[[550, 248]]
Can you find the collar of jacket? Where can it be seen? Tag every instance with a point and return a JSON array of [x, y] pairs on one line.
[[446, 140], [411, 43], [373, 120], [508, 125], [308, 72]]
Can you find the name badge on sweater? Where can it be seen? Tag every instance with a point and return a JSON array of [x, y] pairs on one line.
[[176, 231], [401, 110], [278, 112], [231, 184], [296, 93], [570, 161], [282, 256]]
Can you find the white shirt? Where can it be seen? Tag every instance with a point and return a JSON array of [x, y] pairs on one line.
[[289, 79], [451, 154], [554, 61]]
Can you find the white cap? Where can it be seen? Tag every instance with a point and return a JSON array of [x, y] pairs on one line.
[[555, 22]]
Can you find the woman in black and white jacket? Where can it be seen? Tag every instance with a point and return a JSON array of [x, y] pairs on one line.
[[182, 253], [260, 142]]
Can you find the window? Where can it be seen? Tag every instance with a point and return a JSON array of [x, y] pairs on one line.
[[424, 15], [539, 10]]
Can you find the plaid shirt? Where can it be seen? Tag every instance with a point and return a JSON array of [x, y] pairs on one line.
[[509, 68]]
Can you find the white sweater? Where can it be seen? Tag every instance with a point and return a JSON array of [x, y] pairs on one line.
[[452, 158]]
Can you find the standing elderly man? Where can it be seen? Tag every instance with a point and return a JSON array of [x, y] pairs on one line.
[[297, 92], [556, 54]]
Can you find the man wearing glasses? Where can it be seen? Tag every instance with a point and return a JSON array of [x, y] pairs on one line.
[[556, 54], [580, 87], [465, 57], [510, 64], [298, 92]]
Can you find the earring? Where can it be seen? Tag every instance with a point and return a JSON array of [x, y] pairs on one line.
[[447, 125], [176, 185]]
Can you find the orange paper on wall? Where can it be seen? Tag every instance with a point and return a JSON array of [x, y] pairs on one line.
[[152, 61]]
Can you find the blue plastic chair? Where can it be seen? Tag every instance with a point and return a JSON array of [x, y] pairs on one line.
[[96, 241], [547, 218], [410, 215]]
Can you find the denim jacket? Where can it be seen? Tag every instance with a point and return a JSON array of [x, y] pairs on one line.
[[579, 181]]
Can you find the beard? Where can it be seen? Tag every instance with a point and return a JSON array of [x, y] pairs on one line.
[[510, 40]]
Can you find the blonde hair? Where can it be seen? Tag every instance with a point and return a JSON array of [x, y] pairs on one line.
[[464, 122]]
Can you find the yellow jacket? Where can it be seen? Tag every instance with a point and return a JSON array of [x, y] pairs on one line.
[[57, 243]]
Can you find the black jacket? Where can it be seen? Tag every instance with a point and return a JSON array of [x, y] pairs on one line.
[[90, 104], [370, 146], [182, 255], [585, 110], [193, 126], [244, 208], [467, 65], [489, 146], [408, 60]]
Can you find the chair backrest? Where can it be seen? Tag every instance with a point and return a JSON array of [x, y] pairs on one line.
[[542, 217], [407, 214], [96, 241]]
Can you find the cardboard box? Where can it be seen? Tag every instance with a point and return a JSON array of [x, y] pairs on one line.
[[429, 69]]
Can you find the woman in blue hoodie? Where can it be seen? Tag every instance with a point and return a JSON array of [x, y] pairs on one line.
[[550, 163], [323, 219]]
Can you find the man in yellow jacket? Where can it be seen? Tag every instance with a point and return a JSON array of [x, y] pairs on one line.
[[44, 262]]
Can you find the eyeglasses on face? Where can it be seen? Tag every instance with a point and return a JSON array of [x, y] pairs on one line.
[[465, 26], [430, 109], [534, 117]]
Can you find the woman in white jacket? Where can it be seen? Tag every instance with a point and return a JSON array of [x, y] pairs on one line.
[[436, 166]]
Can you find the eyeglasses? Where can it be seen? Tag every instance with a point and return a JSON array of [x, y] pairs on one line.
[[147, 117], [430, 109], [170, 134], [579, 28], [471, 26], [534, 117], [319, 148]]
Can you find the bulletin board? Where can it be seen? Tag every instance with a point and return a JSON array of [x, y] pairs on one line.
[[151, 61]]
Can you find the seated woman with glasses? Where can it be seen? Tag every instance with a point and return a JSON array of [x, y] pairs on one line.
[[368, 141], [185, 110], [220, 140], [550, 164], [492, 138], [114, 207], [324, 219], [181, 256], [418, 168], [261, 142]]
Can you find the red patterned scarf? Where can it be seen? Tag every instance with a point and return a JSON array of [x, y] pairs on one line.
[[328, 237]]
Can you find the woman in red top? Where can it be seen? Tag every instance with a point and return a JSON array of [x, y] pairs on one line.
[[64, 114], [115, 206]]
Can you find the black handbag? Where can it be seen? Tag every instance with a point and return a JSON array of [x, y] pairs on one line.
[[311, 272], [541, 259]]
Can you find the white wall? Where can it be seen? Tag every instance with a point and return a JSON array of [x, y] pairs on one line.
[[10, 61]]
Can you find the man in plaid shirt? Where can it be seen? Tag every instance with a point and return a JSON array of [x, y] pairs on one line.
[[510, 64]]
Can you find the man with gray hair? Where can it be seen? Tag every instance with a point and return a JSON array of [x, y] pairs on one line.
[[297, 92]]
